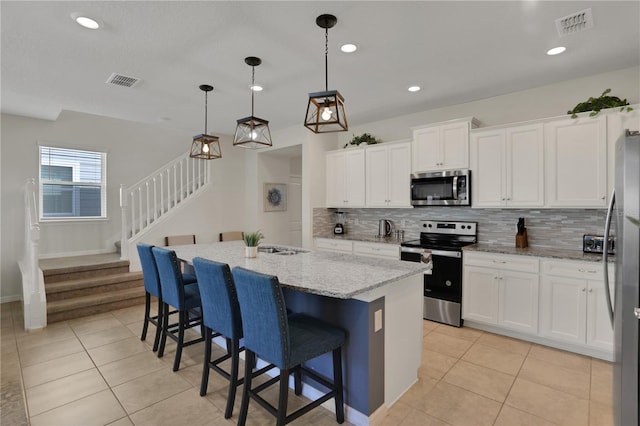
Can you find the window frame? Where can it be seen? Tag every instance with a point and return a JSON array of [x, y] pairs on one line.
[[102, 185]]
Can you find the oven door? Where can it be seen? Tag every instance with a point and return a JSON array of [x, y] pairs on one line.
[[445, 280]]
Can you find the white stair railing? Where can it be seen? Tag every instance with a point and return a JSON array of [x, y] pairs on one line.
[[34, 298], [150, 199]]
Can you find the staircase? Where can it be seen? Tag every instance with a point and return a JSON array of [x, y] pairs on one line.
[[86, 285]]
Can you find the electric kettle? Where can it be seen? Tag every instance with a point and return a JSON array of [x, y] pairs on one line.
[[384, 228]]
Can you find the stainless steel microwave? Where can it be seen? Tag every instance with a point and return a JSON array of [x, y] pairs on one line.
[[445, 188]]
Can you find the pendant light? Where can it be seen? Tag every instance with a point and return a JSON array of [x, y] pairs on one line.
[[252, 132], [205, 146], [325, 111]]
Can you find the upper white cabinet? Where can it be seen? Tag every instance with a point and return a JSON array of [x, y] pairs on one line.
[[388, 170], [508, 166], [442, 146], [617, 122], [345, 178], [576, 162]]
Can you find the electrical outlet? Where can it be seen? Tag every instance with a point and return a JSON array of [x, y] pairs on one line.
[[377, 320]]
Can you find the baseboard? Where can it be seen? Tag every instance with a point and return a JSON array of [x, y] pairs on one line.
[[582, 350], [8, 299], [77, 253]]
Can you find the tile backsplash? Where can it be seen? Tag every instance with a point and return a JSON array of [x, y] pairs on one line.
[[546, 228]]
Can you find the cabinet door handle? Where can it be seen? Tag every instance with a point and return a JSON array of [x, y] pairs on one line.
[[603, 197], [589, 271], [590, 290], [499, 261], [582, 289]]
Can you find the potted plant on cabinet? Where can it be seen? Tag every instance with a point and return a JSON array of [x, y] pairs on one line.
[[365, 138], [596, 104], [251, 241]]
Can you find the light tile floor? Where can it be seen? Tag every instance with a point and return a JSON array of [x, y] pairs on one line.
[[95, 370]]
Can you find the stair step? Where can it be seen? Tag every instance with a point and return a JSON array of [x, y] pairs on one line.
[[87, 286], [78, 267], [62, 310]]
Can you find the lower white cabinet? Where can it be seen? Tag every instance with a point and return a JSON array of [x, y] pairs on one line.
[[389, 251], [574, 304], [334, 245], [382, 250], [501, 290]]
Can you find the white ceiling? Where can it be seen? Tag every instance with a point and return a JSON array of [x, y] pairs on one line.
[[457, 52]]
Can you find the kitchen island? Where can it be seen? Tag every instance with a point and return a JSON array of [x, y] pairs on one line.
[[377, 301]]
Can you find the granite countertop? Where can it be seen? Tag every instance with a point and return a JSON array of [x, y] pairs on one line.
[[317, 272], [365, 238], [539, 252]]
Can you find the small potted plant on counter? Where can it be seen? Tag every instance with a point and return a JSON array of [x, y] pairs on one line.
[[251, 241]]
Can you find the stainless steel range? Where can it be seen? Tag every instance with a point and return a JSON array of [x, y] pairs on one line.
[[443, 284]]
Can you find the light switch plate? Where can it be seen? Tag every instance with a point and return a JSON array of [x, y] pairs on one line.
[[377, 320]]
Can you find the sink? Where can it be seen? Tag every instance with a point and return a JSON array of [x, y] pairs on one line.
[[282, 251]]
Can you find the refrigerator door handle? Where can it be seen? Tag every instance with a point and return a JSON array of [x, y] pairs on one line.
[[605, 256]]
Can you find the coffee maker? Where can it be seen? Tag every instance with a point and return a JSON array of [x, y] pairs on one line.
[[338, 229]]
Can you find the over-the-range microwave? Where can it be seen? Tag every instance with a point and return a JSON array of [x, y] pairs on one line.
[[445, 188]]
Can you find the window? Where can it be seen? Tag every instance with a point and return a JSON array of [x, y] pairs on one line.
[[72, 184]]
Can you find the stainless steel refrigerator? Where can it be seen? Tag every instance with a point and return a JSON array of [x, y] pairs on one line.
[[625, 307]]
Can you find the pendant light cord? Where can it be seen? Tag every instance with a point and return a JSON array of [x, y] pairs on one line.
[[205, 112], [253, 79], [326, 59]]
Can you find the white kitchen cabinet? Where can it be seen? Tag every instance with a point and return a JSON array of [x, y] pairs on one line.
[[501, 290], [345, 178], [388, 170], [442, 146], [334, 245], [388, 251], [573, 305], [507, 166], [576, 162]]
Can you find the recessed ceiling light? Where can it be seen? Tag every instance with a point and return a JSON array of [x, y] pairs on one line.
[[85, 21], [414, 88], [556, 50], [256, 88], [349, 48]]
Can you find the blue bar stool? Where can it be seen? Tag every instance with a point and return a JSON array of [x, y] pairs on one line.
[[221, 317], [285, 341], [185, 298], [152, 288]]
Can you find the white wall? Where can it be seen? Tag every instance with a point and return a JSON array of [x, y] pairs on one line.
[[133, 151], [546, 101]]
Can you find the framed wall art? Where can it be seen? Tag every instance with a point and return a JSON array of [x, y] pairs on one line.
[[275, 197]]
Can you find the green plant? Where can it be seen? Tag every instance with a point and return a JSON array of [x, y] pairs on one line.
[[596, 104], [252, 239], [363, 138]]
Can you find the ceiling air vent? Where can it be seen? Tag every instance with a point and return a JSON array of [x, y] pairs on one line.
[[122, 80], [574, 23]]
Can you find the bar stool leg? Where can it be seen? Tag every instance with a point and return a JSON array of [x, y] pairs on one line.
[[337, 383], [159, 321], [233, 379], [282, 398], [183, 318], [165, 329], [297, 380], [249, 358], [147, 309], [207, 359]]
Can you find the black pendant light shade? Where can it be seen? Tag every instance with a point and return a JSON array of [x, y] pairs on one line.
[[252, 132], [325, 110], [205, 146]]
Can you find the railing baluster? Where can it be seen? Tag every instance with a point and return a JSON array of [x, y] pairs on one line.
[[155, 200], [148, 215], [140, 208], [133, 214], [182, 189]]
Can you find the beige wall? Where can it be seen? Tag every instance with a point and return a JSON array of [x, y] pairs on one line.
[[133, 151]]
